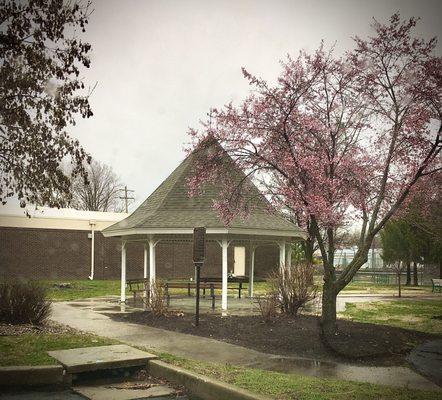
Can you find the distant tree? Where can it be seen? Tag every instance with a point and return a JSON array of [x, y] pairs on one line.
[[403, 242], [40, 60], [395, 240], [102, 192], [434, 256], [423, 214]]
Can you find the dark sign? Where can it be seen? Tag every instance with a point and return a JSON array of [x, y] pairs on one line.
[[199, 245]]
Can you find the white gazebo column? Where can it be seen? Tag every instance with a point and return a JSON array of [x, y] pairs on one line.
[[145, 260], [289, 254], [282, 254], [123, 272], [146, 286], [92, 224], [152, 266], [224, 246], [251, 269]]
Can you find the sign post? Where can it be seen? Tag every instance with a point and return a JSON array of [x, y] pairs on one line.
[[199, 254]]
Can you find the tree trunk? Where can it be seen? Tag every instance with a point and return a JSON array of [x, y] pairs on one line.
[[308, 250], [408, 282], [399, 281], [415, 279], [328, 309]]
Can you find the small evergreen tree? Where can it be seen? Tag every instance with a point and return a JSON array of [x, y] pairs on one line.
[[395, 240]]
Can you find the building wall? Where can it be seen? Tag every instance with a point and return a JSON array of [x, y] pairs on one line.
[[32, 253], [63, 254]]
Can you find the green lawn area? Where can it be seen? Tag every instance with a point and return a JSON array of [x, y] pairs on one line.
[[373, 288], [82, 289], [30, 349], [289, 386], [419, 315]]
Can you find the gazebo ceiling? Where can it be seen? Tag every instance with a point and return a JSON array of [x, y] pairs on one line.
[[170, 210]]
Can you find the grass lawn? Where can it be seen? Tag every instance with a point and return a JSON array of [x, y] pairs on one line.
[[82, 289], [30, 349], [419, 315], [375, 288], [289, 386]]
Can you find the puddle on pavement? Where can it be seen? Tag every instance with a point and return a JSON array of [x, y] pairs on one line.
[[105, 307], [109, 308], [392, 376]]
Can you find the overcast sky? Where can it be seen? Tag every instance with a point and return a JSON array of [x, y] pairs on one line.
[[160, 65]]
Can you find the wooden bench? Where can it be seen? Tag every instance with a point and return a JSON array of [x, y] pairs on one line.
[[437, 284], [138, 286], [142, 286], [234, 283], [189, 286]]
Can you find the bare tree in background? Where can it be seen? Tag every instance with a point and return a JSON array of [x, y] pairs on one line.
[[102, 193]]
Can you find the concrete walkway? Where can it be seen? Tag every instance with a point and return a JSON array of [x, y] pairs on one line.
[[81, 316]]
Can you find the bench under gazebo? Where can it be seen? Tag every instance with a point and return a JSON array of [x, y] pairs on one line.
[[169, 216]]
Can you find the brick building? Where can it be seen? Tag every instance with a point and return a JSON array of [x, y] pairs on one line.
[[57, 244]]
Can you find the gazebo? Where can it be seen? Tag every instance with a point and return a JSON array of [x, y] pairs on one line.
[[169, 214]]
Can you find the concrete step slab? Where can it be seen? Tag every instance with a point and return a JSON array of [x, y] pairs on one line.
[[101, 357]]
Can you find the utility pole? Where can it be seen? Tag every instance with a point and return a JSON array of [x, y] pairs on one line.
[[126, 197]]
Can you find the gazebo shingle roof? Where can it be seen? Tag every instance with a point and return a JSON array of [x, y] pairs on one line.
[[170, 206]]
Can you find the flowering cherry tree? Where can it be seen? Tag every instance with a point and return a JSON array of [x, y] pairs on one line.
[[333, 140]]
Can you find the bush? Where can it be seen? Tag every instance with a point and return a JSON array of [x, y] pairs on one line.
[[267, 307], [23, 303], [156, 300], [292, 287]]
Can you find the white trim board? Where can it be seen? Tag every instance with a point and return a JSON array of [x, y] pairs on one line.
[[209, 231]]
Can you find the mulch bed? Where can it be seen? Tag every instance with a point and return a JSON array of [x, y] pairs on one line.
[[47, 327], [300, 337]]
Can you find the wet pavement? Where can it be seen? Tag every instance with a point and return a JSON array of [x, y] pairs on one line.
[[88, 315], [243, 306]]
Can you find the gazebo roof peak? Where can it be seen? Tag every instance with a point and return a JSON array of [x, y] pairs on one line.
[[170, 208]]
